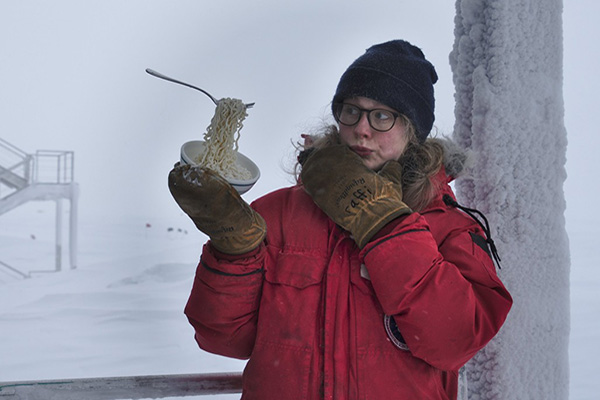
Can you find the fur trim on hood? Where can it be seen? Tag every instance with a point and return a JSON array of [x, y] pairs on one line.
[[456, 159]]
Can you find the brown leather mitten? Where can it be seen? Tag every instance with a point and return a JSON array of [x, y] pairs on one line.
[[352, 195], [392, 171], [216, 209]]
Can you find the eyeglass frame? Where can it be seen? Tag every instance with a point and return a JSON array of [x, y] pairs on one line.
[[338, 108]]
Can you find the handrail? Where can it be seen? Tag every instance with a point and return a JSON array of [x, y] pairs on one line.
[[54, 166], [16, 165], [16, 271], [13, 149], [132, 387], [25, 164]]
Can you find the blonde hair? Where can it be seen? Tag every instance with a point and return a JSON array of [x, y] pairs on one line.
[[420, 163]]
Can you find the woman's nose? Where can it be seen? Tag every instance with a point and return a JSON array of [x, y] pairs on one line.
[[362, 127]]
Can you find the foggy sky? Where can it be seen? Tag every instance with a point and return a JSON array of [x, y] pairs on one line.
[[72, 78]]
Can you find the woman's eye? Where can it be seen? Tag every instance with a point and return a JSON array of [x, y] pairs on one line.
[[381, 115], [351, 110]]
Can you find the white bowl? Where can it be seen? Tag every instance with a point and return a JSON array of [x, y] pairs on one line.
[[191, 150]]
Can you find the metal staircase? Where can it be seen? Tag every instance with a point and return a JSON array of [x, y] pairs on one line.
[[15, 169], [45, 175]]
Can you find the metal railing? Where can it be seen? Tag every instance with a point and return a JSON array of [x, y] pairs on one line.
[[19, 169], [134, 387], [14, 270], [10, 154], [53, 166], [16, 168]]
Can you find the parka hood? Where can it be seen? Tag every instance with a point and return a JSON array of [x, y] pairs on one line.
[[456, 159]]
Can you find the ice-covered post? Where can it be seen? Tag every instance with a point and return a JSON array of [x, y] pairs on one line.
[[507, 68]]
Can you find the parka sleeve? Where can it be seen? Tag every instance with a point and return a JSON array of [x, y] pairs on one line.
[[224, 301], [446, 299]]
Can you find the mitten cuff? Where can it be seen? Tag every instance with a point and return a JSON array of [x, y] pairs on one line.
[[244, 242], [386, 211]]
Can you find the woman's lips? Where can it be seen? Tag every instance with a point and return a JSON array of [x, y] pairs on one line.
[[362, 151]]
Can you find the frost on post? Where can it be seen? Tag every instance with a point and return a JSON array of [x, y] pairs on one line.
[[507, 69]]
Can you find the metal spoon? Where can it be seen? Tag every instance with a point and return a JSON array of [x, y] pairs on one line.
[[167, 78]]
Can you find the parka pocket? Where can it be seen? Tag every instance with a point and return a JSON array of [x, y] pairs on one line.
[[297, 270], [291, 300]]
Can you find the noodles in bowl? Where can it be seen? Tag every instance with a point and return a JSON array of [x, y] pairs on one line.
[[219, 150], [190, 151]]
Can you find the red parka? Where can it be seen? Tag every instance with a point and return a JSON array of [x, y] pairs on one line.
[[308, 307]]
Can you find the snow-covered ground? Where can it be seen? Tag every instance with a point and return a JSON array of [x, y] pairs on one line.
[[120, 311]]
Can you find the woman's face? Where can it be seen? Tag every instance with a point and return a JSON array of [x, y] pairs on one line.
[[374, 147]]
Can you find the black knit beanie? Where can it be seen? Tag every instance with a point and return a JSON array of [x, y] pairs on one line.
[[396, 74]]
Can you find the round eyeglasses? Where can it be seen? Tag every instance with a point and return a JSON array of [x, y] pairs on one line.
[[379, 119]]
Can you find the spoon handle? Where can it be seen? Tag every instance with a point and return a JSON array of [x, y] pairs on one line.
[[167, 78]]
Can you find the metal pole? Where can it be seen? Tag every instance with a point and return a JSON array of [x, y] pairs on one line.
[[58, 246], [73, 225]]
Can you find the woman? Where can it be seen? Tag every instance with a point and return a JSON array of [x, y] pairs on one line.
[[364, 280]]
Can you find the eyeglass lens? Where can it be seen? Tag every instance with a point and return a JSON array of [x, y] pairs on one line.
[[379, 119]]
